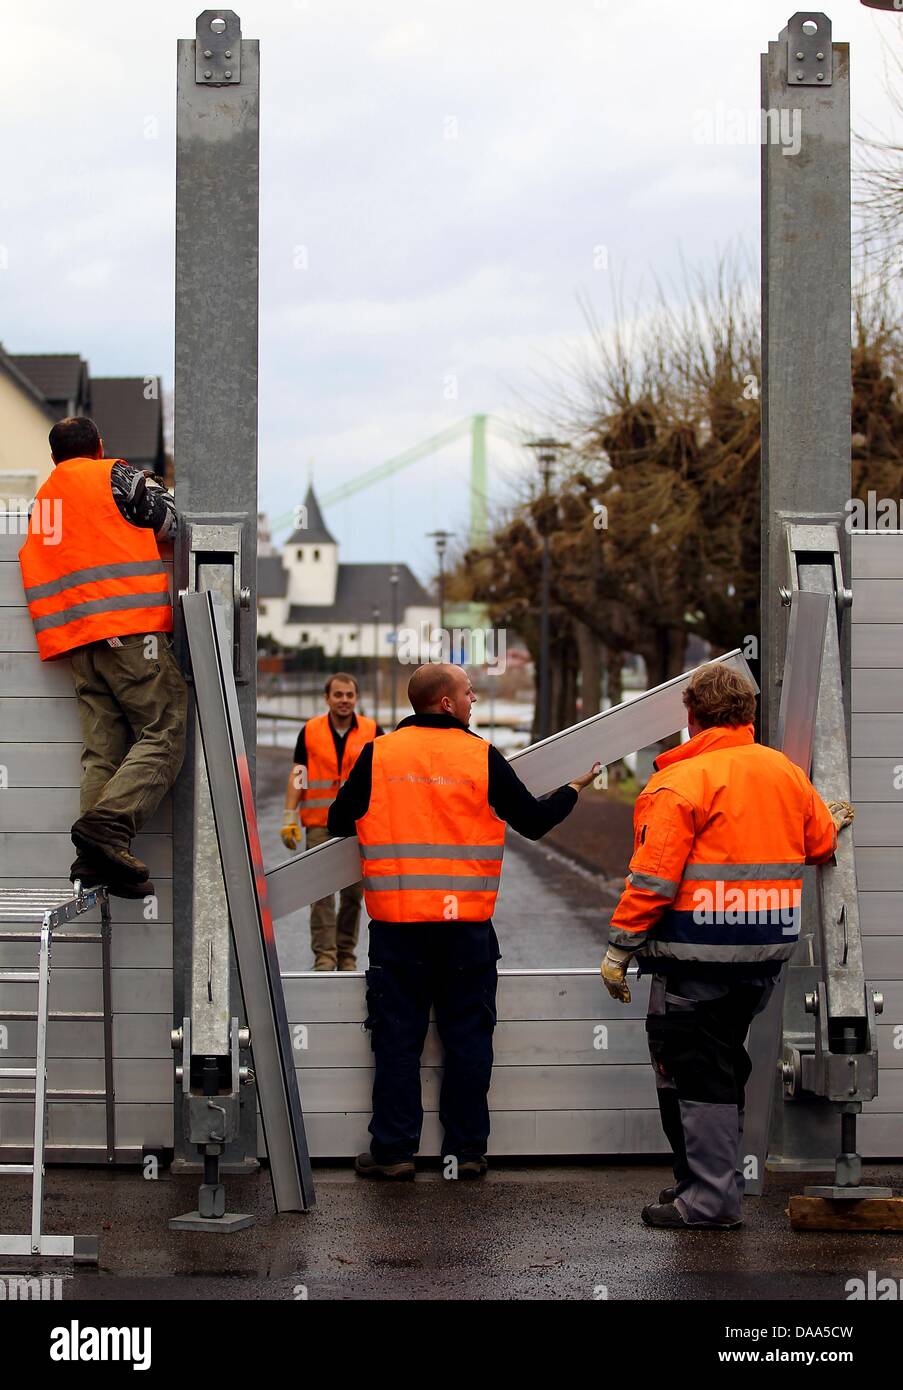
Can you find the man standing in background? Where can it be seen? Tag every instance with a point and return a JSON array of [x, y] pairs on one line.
[[328, 747]]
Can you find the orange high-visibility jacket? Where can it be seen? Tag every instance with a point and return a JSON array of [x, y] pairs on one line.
[[88, 573], [431, 845], [721, 833], [323, 779]]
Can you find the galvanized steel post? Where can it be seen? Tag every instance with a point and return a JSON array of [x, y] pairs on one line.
[[217, 196], [806, 399]]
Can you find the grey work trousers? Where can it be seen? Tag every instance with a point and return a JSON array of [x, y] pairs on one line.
[[697, 1030]]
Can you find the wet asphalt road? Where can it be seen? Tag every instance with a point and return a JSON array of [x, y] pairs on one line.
[[551, 914], [523, 1233]]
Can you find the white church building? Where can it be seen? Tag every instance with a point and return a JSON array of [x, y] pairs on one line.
[[306, 597]]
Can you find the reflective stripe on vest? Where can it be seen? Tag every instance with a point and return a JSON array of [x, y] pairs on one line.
[[431, 846], [323, 779], [93, 575], [730, 913]]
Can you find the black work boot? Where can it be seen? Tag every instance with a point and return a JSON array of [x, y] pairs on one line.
[[402, 1170], [94, 845], [666, 1217]]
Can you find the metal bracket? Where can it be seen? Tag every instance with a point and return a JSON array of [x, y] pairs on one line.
[[217, 543], [810, 57], [817, 539], [217, 61]]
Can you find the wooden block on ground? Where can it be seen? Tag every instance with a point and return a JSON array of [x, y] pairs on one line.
[[868, 1214]]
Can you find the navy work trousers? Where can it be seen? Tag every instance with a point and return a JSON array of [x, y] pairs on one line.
[[451, 967]]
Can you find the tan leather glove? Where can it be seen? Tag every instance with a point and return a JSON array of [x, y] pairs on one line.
[[291, 830], [614, 973], [842, 813]]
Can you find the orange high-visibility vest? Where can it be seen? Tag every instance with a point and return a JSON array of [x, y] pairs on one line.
[[722, 831], [88, 573], [431, 845], [323, 779]]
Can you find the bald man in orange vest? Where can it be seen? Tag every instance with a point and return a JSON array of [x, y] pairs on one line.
[[98, 595], [429, 804]]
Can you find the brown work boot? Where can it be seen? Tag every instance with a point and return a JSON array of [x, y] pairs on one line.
[[86, 871], [347, 963], [323, 963], [90, 875], [119, 888], [92, 844], [472, 1168], [366, 1166]]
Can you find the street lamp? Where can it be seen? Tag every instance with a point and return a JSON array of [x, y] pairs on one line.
[[393, 589], [376, 663], [546, 451], [442, 539]]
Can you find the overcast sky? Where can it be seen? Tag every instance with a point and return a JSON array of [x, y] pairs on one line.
[[453, 172]]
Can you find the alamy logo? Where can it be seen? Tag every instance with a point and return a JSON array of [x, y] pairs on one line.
[[42, 516], [733, 905], [872, 1289], [78, 1343], [21, 1288], [467, 646]]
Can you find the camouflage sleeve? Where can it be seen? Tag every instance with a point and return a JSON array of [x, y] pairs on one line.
[[144, 501]]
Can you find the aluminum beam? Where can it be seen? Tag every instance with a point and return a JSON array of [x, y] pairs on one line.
[[542, 767], [253, 935], [809, 616]]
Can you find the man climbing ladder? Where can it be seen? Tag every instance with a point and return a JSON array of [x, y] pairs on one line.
[[97, 593]]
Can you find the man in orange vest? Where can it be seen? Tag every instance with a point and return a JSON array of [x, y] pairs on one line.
[[711, 909], [328, 746], [98, 595], [429, 804]]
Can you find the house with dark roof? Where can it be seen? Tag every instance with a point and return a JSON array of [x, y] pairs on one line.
[[24, 456], [62, 378], [128, 410], [306, 597]]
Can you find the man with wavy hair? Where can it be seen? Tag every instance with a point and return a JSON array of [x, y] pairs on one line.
[[711, 909]]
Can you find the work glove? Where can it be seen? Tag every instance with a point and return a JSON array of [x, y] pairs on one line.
[[614, 973], [842, 813], [291, 830]]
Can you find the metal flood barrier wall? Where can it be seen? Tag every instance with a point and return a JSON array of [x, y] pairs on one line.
[[39, 750], [572, 1074]]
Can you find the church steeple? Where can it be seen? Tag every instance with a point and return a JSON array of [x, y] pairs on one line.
[[311, 557], [313, 530]]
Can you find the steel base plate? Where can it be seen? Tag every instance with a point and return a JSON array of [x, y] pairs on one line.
[[848, 1194], [225, 1225]]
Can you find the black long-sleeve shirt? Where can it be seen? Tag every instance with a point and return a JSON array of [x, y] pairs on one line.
[[529, 815], [339, 740]]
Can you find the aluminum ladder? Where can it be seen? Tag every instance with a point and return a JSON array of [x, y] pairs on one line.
[[51, 908]]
